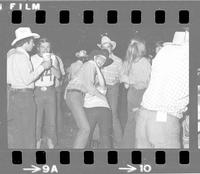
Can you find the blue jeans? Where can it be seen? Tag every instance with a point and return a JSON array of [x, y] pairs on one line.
[[21, 120], [112, 96], [46, 114], [151, 133], [103, 117], [134, 98]]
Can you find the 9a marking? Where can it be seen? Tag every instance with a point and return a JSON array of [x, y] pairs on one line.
[[47, 169]]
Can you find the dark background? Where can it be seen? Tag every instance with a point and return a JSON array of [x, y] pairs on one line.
[[67, 40]]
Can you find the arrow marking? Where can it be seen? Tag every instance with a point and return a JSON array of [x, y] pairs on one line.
[[129, 168], [33, 169]]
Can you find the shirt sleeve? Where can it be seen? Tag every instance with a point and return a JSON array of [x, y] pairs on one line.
[[61, 65], [27, 73]]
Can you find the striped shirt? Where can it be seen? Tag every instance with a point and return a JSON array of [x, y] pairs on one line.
[[47, 78], [168, 90], [112, 72]]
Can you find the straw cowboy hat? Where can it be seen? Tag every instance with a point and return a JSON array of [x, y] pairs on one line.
[[180, 38], [102, 53], [105, 40], [81, 54], [22, 33]]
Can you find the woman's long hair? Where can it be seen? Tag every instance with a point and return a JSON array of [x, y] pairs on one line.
[[136, 49]]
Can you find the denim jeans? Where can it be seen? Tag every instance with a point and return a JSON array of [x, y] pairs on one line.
[[151, 133], [46, 114], [112, 96], [74, 101], [134, 98], [21, 120], [102, 117], [59, 112]]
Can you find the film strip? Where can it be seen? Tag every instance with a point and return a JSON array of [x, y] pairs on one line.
[[72, 26]]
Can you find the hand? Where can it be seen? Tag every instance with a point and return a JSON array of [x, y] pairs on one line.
[[46, 64], [124, 78]]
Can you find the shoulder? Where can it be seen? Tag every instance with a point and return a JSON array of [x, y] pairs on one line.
[[35, 57], [116, 58], [19, 54], [89, 65]]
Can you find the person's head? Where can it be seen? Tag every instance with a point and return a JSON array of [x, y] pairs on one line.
[[43, 46], [24, 38], [27, 44], [136, 50], [82, 55], [107, 44], [100, 57]]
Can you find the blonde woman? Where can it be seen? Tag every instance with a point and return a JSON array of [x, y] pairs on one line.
[[135, 76]]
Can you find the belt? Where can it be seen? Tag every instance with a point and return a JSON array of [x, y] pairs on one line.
[[21, 90], [75, 90], [44, 88]]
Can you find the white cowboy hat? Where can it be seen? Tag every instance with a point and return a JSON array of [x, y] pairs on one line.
[[81, 54], [22, 33], [180, 38], [105, 40]]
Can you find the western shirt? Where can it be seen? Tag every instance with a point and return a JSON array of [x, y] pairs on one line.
[[112, 72], [20, 72], [168, 90], [46, 78]]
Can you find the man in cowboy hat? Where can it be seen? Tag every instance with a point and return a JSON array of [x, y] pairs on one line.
[[112, 75], [74, 67], [21, 78], [167, 96]]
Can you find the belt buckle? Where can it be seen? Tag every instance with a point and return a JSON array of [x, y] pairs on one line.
[[44, 88]]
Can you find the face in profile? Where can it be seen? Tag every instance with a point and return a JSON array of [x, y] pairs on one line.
[[44, 47], [107, 46], [100, 60], [30, 45]]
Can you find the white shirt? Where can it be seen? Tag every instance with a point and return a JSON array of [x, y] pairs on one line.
[[20, 72], [74, 68], [47, 78], [91, 101], [168, 89], [112, 72]]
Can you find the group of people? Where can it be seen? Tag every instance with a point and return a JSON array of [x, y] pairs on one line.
[[157, 93]]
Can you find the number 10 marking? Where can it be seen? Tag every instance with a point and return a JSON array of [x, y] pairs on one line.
[[145, 168]]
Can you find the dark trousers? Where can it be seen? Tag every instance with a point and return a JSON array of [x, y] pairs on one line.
[[46, 113], [134, 99], [112, 95], [103, 117], [21, 120], [59, 112]]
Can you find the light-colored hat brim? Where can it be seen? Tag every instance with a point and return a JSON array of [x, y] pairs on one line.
[[113, 43], [35, 35]]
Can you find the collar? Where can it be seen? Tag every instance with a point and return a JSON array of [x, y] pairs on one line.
[[23, 50]]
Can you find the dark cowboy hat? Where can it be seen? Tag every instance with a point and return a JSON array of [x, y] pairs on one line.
[[104, 53]]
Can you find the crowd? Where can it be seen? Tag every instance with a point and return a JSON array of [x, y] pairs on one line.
[[157, 93]]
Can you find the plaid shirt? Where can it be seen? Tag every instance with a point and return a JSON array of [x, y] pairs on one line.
[[168, 90], [112, 72]]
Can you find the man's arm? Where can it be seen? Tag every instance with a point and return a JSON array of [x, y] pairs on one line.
[[24, 67], [55, 68]]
